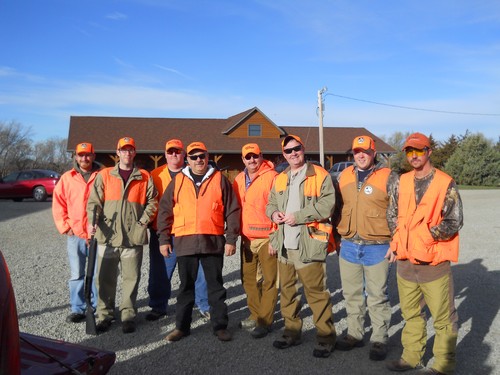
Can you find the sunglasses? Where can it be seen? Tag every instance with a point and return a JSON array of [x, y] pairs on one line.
[[195, 157], [251, 156], [288, 151], [415, 151], [174, 151]]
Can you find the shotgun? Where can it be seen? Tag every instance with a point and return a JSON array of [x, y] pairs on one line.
[[90, 327]]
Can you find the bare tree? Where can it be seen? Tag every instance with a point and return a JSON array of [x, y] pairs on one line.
[[398, 161], [51, 154], [15, 147]]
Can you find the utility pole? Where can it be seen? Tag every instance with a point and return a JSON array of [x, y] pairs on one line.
[[320, 114]]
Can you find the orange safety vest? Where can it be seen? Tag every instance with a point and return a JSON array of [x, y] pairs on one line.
[[113, 187], [412, 239], [321, 231], [161, 179], [254, 222], [198, 213]]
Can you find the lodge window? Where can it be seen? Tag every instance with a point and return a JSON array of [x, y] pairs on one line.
[[254, 130]]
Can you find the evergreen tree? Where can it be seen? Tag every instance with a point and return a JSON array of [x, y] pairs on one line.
[[476, 162], [443, 151]]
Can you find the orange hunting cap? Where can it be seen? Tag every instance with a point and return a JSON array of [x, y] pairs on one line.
[[250, 148], [84, 148], [418, 141], [174, 143], [288, 138], [196, 146], [125, 141], [363, 142]]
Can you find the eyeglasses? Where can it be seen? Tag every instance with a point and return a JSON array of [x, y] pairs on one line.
[[195, 157], [251, 156], [130, 151], [174, 151], [288, 151], [415, 151]]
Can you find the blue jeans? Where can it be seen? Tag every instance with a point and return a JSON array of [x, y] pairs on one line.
[[366, 255], [77, 255], [161, 270]]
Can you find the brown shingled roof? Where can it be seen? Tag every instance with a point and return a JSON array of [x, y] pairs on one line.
[[151, 134]]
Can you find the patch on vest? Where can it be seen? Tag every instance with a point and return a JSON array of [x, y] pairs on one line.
[[368, 190]]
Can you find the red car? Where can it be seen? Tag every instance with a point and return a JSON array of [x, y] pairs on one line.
[[25, 354], [32, 183]]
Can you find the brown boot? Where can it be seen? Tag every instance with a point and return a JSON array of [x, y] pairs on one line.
[[223, 335], [176, 335], [400, 365]]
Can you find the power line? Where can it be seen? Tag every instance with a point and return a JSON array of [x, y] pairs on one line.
[[415, 108]]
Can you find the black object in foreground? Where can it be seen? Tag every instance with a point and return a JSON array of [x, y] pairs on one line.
[[90, 325]]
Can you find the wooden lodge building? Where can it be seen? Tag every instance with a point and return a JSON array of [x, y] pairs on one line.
[[224, 138]]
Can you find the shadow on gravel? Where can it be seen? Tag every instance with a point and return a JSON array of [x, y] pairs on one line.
[[12, 210], [479, 289], [31, 314]]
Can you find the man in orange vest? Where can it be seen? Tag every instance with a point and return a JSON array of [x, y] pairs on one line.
[[162, 268], [69, 204], [425, 217], [201, 209], [126, 198], [252, 187], [301, 203]]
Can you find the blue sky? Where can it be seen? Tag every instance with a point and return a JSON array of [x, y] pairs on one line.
[[216, 58]]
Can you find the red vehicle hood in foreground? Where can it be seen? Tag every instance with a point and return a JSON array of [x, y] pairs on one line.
[[39, 355], [22, 353]]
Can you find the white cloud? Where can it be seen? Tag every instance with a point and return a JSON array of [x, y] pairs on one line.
[[171, 70], [6, 71], [117, 16]]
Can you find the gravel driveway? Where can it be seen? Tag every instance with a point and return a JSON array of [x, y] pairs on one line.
[[36, 255]]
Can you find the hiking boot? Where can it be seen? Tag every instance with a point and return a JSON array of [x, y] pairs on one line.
[[176, 335], [400, 365], [128, 326], [154, 315], [378, 351], [75, 318], [285, 342], [260, 332], [104, 325], [347, 343], [323, 350], [247, 324], [223, 335], [205, 315]]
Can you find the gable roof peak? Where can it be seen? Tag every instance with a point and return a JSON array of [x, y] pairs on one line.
[[236, 120]]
